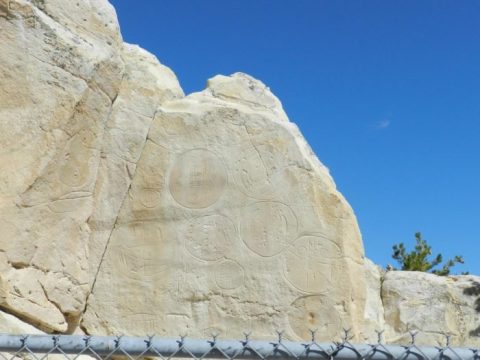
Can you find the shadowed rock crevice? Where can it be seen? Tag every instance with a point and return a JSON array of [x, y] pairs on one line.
[[112, 229], [474, 291]]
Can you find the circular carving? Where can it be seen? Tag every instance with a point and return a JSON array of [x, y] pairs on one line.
[[75, 169], [148, 184], [209, 237], [137, 251], [267, 227], [149, 198], [314, 312], [197, 179], [308, 263], [229, 275], [74, 172], [251, 174]]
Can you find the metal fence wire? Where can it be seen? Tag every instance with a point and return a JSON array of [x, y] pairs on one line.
[[73, 347]]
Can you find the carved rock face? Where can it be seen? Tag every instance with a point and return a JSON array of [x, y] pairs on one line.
[[128, 208], [75, 107], [244, 230], [170, 214]]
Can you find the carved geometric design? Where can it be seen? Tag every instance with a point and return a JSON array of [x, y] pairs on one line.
[[308, 263], [209, 237], [267, 227], [198, 179]]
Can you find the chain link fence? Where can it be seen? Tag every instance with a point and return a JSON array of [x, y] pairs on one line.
[[73, 347]]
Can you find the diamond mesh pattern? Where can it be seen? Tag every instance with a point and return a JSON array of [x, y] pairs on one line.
[[70, 347]]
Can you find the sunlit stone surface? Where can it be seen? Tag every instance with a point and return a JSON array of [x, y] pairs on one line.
[[243, 228], [127, 208], [76, 104]]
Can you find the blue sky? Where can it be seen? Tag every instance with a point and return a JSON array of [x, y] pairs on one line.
[[386, 92]]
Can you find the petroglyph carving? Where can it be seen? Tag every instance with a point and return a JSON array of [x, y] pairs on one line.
[[75, 168], [257, 172], [308, 263], [251, 174], [149, 197], [232, 188], [138, 251], [150, 322], [314, 312], [149, 182], [197, 179], [210, 237], [268, 238], [229, 275]]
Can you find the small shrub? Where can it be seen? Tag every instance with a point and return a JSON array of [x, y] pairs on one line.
[[418, 259]]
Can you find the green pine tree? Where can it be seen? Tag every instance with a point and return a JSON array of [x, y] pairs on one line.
[[418, 259]]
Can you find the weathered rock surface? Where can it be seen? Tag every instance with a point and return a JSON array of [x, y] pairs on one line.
[[374, 316], [75, 107], [127, 208], [230, 223], [433, 305], [205, 212], [9, 324], [400, 302]]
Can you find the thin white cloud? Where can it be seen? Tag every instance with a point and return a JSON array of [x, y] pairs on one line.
[[383, 124]]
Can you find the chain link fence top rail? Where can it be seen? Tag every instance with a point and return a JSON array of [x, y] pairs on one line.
[[72, 347]]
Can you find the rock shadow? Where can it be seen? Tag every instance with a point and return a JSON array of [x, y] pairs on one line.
[[474, 290]]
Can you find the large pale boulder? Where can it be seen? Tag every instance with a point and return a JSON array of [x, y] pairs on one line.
[[75, 107], [230, 224], [433, 305], [216, 215], [127, 208], [198, 214], [9, 324], [145, 85]]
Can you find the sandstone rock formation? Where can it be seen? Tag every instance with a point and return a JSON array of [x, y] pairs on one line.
[[139, 210], [75, 107], [128, 208], [374, 316], [230, 223], [434, 305], [400, 302]]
